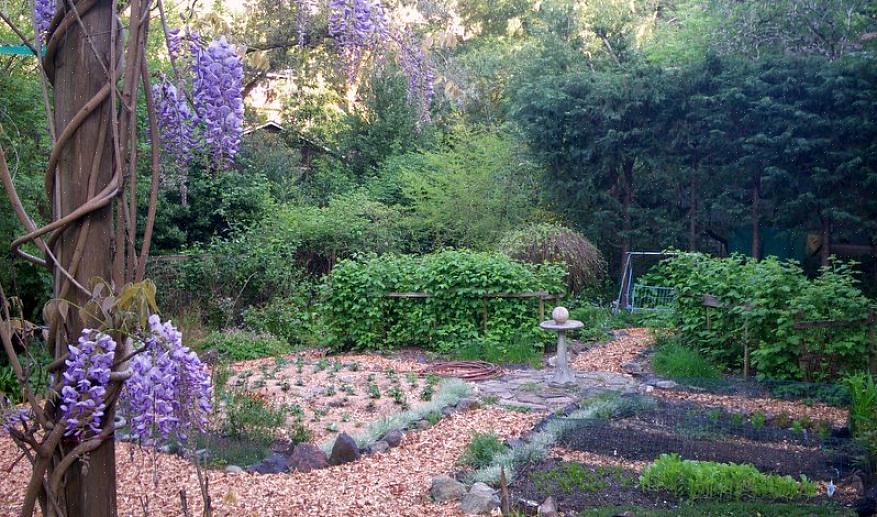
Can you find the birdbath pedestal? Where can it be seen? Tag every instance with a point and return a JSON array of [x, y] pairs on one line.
[[561, 324]]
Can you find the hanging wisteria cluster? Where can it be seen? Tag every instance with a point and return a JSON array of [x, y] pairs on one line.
[[169, 393], [214, 124], [43, 12], [176, 122], [360, 26], [86, 376], [216, 88]]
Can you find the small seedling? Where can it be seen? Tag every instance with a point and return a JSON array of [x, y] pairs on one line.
[[330, 391], [714, 415], [332, 427], [489, 400], [321, 365], [411, 377], [371, 378], [347, 389], [353, 367], [433, 379], [373, 391], [737, 419], [285, 386], [397, 394], [337, 365], [783, 420], [299, 382], [345, 417], [433, 417], [798, 426], [426, 393], [299, 364], [758, 420]]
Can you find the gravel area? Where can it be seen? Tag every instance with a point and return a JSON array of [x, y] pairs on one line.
[[393, 483]]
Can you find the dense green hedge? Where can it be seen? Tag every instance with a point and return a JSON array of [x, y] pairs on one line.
[[776, 292], [360, 316]]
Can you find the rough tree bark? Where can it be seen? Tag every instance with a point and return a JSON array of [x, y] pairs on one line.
[[756, 215], [85, 166]]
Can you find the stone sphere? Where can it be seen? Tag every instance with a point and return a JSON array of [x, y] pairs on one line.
[[560, 314]]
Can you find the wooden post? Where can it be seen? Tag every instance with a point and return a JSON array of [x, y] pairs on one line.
[[541, 308], [84, 50]]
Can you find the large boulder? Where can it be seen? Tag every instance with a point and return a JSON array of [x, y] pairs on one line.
[[306, 457], [345, 450], [446, 488], [480, 499]]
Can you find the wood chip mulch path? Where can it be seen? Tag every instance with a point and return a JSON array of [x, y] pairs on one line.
[[394, 483], [610, 356]]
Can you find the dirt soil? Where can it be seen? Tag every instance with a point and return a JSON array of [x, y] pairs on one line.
[[612, 486]]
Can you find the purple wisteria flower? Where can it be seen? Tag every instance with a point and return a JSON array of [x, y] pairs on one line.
[[86, 377], [415, 65], [218, 96], [357, 23], [16, 416], [43, 12], [170, 392], [176, 122]]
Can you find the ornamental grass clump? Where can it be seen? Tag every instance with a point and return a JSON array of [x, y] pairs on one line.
[[710, 480]]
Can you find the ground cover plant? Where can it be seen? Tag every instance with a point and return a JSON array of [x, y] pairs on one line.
[[676, 361], [710, 480]]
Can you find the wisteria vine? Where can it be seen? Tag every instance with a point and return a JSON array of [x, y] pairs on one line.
[[86, 377]]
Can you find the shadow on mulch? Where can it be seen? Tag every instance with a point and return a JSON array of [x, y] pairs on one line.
[[576, 485]]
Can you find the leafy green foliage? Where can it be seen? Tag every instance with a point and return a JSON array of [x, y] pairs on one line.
[[863, 413], [481, 449], [711, 480], [360, 316], [238, 345], [250, 416], [727, 509], [520, 350], [289, 318], [762, 300]]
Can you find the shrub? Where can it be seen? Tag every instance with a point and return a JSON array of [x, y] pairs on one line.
[[360, 316], [707, 479], [547, 243], [290, 318], [239, 345], [247, 415], [517, 351], [679, 362], [763, 298], [481, 449]]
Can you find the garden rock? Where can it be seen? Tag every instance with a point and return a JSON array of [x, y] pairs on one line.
[[393, 437], [344, 450], [480, 499], [274, 464], [666, 385], [447, 411], [233, 469], [468, 403], [548, 508], [446, 488], [634, 369], [528, 506], [378, 446], [306, 457], [422, 425]]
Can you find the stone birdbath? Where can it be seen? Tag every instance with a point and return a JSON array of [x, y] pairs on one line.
[[561, 324]]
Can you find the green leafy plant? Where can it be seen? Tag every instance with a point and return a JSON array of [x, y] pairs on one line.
[[238, 345], [364, 318], [711, 480], [426, 393], [481, 449], [863, 414], [758, 420], [374, 391]]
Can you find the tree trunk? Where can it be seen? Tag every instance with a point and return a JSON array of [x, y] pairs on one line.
[[85, 165], [626, 180], [692, 213], [825, 249], [756, 216]]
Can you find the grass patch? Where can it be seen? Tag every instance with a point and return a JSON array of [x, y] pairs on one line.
[[675, 361], [481, 450], [516, 351], [710, 480], [729, 509]]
